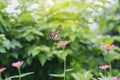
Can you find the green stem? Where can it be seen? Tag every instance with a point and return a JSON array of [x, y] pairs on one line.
[[19, 73], [0, 76], [110, 65], [64, 67], [110, 68], [64, 63]]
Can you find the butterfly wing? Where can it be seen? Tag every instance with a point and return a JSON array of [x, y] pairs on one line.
[[50, 35], [58, 30], [55, 35]]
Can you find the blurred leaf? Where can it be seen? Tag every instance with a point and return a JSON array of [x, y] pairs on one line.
[[22, 75], [7, 44], [29, 60], [29, 37], [15, 43], [57, 75], [110, 41], [36, 51], [42, 59], [118, 29], [69, 70], [82, 76], [15, 55], [2, 49], [30, 50], [3, 4]]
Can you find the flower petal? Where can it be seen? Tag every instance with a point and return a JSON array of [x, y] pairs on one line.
[[2, 69], [63, 43], [17, 64]]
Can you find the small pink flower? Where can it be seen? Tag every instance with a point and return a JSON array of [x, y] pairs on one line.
[[108, 47], [116, 78], [17, 64], [2, 69], [104, 67], [63, 43]]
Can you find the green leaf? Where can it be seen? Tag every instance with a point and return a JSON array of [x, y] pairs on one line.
[[36, 51], [69, 70], [30, 50], [110, 41], [2, 49], [15, 43], [57, 75], [82, 76], [45, 48], [6, 44], [34, 31], [42, 59], [30, 37], [15, 55], [29, 60], [22, 75], [86, 29], [39, 49], [111, 27], [60, 54], [3, 4], [76, 76], [118, 28]]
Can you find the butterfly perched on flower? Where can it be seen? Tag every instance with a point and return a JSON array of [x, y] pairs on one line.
[[55, 36]]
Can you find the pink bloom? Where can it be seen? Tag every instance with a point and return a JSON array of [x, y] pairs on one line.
[[108, 47], [2, 69], [17, 64], [116, 78], [63, 43], [104, 67]]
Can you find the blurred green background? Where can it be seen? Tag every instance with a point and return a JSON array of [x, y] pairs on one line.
[[89, 24]]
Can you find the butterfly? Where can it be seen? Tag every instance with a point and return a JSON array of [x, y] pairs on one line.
[[55, 36]]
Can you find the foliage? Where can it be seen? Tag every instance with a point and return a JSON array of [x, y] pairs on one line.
[[23, 36]]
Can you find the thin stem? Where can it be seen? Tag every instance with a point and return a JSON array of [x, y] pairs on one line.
[[0, 76], [19, 73], [110, 64], [64, 63], [110, 67], [64, 67]]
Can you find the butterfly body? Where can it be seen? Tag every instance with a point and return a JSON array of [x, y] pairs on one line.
[[55, 35]]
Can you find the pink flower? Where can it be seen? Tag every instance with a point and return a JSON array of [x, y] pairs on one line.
[[116, 78], [63, 43], [2, 69], [17, 64], [108, 47], [104, 67]]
